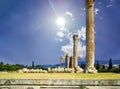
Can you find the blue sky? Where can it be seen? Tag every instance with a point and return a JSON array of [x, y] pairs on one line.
[[28, 30]]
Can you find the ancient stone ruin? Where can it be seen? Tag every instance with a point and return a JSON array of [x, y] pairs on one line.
[[25, 70], [72, 62], [90, 36]]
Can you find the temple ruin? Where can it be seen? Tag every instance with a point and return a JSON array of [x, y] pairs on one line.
[[72, 62]]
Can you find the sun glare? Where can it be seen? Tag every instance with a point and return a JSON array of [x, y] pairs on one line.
[[60, 21]]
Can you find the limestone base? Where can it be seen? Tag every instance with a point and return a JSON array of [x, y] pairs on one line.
[[78, 69], [59, 87], [90, 70]]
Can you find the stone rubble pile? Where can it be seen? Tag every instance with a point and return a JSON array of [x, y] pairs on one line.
[[52, 70], [25, 70], [65, 70]]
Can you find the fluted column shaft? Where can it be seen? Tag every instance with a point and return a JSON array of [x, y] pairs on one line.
[[90, 46], [75, 49]]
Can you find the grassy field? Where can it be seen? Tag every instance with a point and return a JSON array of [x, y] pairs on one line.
[[58, 75]]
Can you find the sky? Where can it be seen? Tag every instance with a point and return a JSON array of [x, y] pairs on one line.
[[28, 30]]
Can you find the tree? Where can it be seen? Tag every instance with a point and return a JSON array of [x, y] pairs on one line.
[[33, 64], [97, 65], [17, 67], [103, 67], [110, 64], [1, 66], [7, 67], [82, 65], [119, 68], [38, 66]]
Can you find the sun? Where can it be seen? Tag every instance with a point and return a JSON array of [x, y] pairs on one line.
[[60, 21]]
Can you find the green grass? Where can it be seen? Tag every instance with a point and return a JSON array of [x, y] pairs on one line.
[[58, 75]]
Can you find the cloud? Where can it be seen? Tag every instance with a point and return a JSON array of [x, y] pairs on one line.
[[82, 9], [96, 11], [60, 34], [69, 13], [82, 33], [68, 48], [69, 16], [110, 4], [67, 35], [63, 28], [60, 39], [81, 50]]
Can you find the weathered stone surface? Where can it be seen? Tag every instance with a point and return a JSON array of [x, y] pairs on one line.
[[89, 3], [103, 87], [60, 69], [61, 82], [66, 61], [71, 62], [58, 87], [90, 36], [25, 70], [90, 69], [40, 87], [49, 69], [78, 69], [54, 70], [75, 49]]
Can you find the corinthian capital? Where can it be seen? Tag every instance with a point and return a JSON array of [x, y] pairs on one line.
[[89, 3]]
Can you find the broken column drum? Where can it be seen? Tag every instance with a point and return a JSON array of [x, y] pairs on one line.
[[90, 36], [75, 49]]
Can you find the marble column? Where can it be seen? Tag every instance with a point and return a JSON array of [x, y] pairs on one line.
[[67, 61], [61, 58], [75, 50], [71, 62], [90, 48]]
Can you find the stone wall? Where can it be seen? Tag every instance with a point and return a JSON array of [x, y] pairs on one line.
[[59, 83]]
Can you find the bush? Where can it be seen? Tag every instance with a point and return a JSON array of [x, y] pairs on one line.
[[83, 87]]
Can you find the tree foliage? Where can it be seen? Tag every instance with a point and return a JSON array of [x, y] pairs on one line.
[[110, 64], [97, 65], [33, 64], [15, 67]]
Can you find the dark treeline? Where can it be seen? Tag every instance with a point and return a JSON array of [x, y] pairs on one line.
[[15, 67], [100, 67], [105, 68], [9, 67], [109, 68]]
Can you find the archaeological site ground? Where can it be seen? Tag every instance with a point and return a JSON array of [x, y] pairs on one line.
[[71, 76]]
